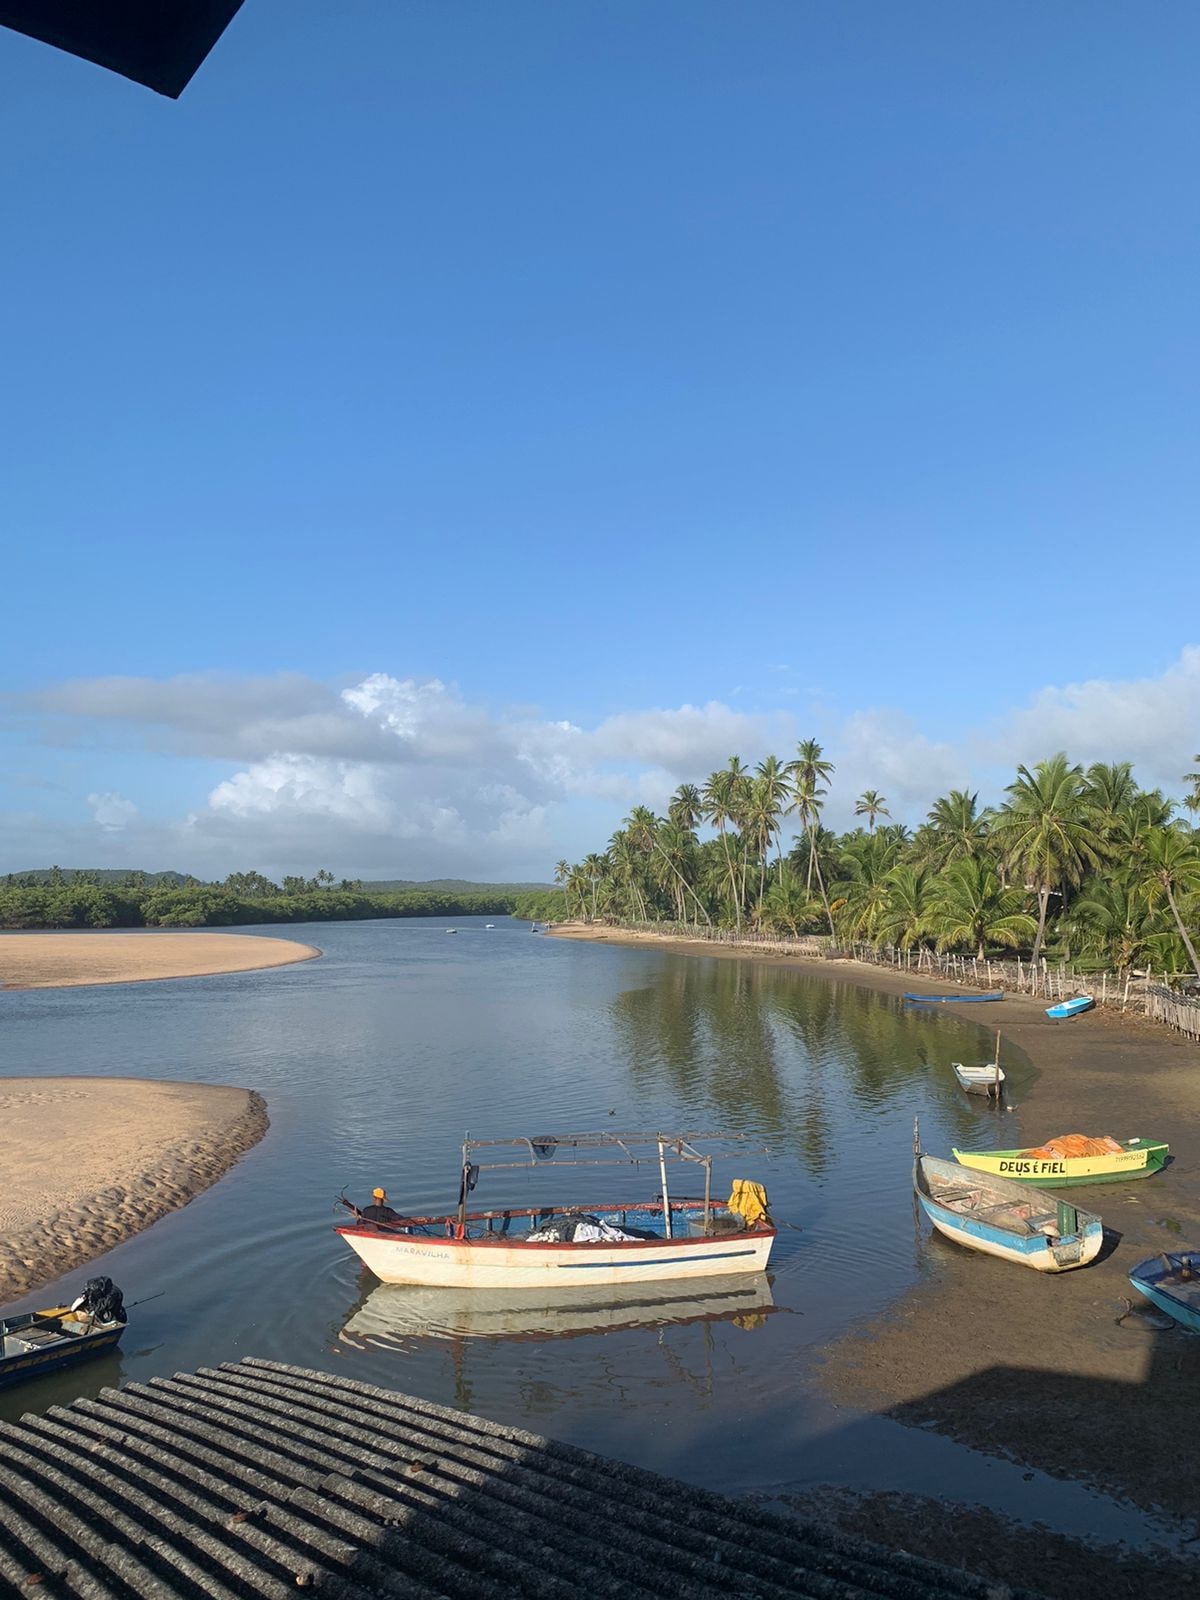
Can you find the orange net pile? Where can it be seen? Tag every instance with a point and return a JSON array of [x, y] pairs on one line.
[[1074, 1145]]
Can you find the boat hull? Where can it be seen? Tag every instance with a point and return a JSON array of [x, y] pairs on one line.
[[979, 1080], [1043, 1251], [1139, 1160], [483, 1264], [1168, 1290], [25, 1365], [953, 999]]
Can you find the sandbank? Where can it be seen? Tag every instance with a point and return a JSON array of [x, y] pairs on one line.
[[63, 960], [89, 1161], [1018, 1363]]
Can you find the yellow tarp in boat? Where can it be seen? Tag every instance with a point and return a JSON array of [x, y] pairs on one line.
[[749, 1201]]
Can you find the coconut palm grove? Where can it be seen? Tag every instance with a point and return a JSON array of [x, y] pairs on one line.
[[1078, 864]]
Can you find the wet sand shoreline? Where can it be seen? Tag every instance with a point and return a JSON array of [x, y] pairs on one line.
[[88, 1162], [1030, 1366], [54, 960]]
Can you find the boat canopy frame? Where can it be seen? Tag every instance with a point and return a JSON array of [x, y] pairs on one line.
[[658, 1147]]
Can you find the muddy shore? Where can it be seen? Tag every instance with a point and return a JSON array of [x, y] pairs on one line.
[[65, 960], [87, 1162], [1030, 1366]]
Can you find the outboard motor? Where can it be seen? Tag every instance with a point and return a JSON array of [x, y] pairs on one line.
[[101, 1300]]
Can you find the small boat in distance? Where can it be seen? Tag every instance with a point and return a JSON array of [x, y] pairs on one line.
[[1070, 1160], [987, 1080], [551, 1247], [1171, 1281], [489, 924], [46, 1341], [946, 999], [451, 930], [1070, 1008], [1003, 1219]]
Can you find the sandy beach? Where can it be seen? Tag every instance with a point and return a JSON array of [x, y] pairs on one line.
[[1021, 1364], [61, 960], [89, 1161]]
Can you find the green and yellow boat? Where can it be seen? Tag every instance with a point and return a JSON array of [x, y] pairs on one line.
[[1073, 1158]]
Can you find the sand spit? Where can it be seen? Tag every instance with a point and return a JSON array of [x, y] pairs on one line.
[[61, 960], [87, 1162]]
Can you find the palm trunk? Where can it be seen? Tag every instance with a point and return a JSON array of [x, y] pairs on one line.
[[682, 880], [812, 861], [1183, 933], [1043, 903], [737, 916]]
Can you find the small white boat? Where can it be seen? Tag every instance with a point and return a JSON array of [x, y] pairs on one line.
[[451, 930], [988, 1079], [489, 924], [551, 1247], [1005, 1219]]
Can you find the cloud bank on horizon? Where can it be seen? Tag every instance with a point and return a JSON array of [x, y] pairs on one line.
[[408, 777]]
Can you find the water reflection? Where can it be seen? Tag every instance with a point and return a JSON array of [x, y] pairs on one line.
[[388, 1316]]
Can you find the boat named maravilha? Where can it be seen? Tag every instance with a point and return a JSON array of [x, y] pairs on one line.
[[1073, 1158], [554, 1246]]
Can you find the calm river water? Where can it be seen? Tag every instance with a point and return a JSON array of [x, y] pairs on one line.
[[376, 1059]]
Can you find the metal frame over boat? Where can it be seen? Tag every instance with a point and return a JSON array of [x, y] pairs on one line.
[[1005, 1219], [1171, 1281], [623, 1242], [1133, 1158]]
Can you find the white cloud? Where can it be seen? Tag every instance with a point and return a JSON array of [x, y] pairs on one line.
[[112, 811], [1153, 722], [406, 777]]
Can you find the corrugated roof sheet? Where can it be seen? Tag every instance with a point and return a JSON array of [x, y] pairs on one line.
[[256, 1478]]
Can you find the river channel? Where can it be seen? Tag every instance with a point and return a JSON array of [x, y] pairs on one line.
[[375, 1060]]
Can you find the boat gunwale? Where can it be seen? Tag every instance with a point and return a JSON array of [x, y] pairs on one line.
[[490, 1241]]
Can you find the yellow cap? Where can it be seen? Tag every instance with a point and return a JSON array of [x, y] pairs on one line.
[[378, 1194]]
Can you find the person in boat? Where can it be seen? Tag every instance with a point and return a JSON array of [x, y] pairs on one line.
[[379, 1210]]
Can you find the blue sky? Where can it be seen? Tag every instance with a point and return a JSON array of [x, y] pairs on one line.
[[607, 387]]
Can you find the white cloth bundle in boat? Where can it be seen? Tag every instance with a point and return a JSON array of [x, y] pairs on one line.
[[588, 1230]]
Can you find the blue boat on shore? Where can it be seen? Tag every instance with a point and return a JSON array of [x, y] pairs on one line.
[[945, 999], [1171, 1281], [1070, 1008], [1004, 1219]]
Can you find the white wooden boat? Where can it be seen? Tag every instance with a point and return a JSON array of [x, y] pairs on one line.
[[1005, 1219], [552, 1247], [988, 1079]]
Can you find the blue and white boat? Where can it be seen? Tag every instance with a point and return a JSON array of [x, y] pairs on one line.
[[1070, 1008], [957, 999], [1171, 1281], [1005, 1219]]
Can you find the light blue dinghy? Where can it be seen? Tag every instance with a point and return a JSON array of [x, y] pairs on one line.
[[1172, 1281], [1070, 1008], [1005, 1219]]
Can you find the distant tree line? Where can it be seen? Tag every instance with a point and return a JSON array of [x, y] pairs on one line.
[[82, 901], [1079, 864]]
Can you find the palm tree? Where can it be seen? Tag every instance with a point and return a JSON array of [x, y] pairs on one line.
[[954, 828], [904, 921], [1172, 867], [968, 905], [1110, 789], [1045, 832], [642, 826], [786, 907], [722, 800], [562, 875], [808, 772], [594, 869], [871, 804], [1112, 918], [686, 807], [1192, 801]]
